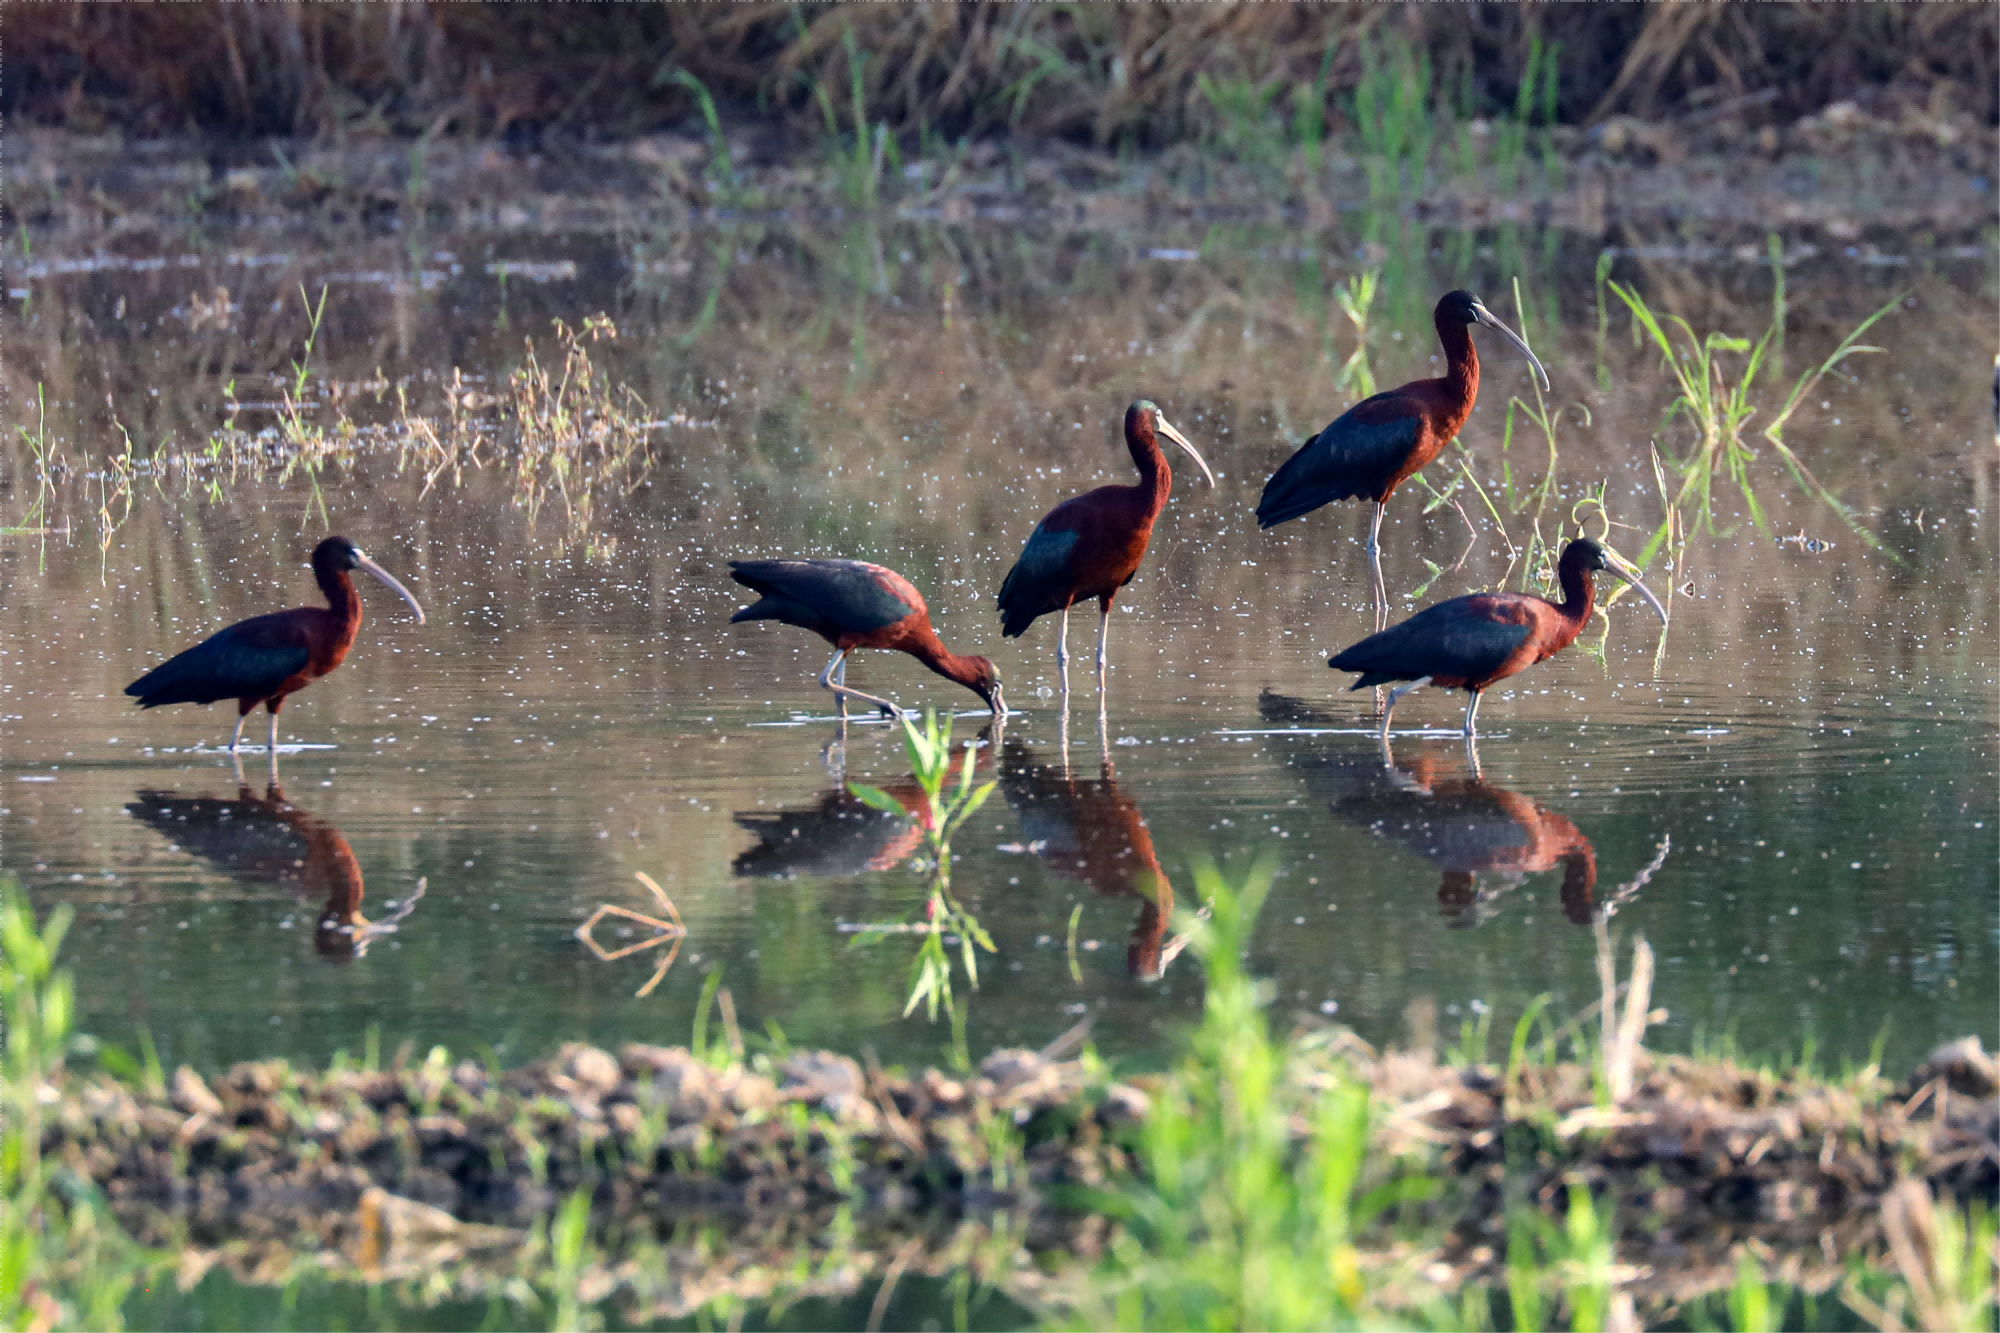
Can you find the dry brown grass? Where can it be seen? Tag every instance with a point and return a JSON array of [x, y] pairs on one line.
[[1105, 74]]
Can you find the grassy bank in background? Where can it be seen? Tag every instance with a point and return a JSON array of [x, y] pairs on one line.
[[902, 78]]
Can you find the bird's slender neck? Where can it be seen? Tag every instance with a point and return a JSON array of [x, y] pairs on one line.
[[1579, 593], [933, 654], [341, 597], [1461, 358], [1155, 478]]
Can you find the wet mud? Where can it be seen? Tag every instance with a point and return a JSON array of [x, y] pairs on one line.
[[449, 1172]]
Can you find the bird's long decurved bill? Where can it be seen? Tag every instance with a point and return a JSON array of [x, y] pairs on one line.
[[389, 580], [1624, 569], [1167, 429], [1491, 321]]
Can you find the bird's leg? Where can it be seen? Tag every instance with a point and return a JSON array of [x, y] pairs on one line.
[[1062, 653], [840, 678], [1396, 697], [826, 681], [1062, 735], [1375, 566], [1471, 711], [1381, 591], [272, 748], [1472, 755], [236, 762], [236, 736], [1103, 639]]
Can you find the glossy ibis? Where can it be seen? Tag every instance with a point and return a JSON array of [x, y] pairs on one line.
[[1380, 442], [265, 658], [853, 604], [1469, 642], [1092, 831], [1091, 546]]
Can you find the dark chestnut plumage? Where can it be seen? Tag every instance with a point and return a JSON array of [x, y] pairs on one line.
[[264, 659], [1091, 546], [853, 604], [1380, 442], [1469, 642]]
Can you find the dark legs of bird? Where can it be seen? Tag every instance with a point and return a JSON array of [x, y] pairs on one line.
[[1396, 697], [840, 691], [1471, 711]]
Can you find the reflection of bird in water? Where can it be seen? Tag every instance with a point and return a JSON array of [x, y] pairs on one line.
[[1465, 825], [268, 840], [1470, 827], [839, 834], [1092, 831]]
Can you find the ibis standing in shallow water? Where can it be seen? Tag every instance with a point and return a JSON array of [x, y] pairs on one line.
[[1380, 442], [1091, 546], [853, 604], [266, 658], [1468, 643]]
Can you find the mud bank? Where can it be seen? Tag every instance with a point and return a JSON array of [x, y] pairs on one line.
[[437, 1169], [1843, 172]]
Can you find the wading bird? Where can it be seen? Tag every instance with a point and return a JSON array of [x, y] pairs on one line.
[[853, 604], [1380, 442], [1091, 546], [1468, 643], [265, 658]]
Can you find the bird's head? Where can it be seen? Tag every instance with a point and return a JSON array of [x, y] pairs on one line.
[[1462, 307], [985, 683], [1587, 556], [338, 555], [1144, 418]]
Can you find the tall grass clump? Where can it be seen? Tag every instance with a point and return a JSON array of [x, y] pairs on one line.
[[63, 1262], [1239, 1223], [1716, 396], [1392, 112]]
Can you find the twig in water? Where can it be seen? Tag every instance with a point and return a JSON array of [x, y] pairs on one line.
[[671, 929]]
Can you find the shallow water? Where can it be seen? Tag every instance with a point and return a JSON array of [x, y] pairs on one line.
[[1812, 763]]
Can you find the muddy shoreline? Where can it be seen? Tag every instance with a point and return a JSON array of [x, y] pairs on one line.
[[452, 1168], [1844, 176]]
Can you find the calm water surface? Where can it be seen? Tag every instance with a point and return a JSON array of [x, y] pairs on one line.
[[1809, 763]]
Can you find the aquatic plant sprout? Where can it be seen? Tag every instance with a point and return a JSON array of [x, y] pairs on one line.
[[928, 744], [1718, 411]]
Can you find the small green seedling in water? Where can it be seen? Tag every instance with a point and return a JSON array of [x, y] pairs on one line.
[[930, 750]]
